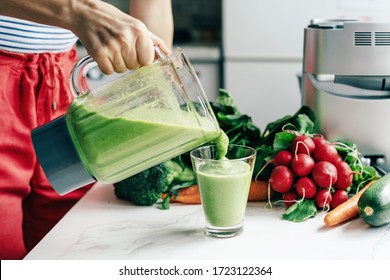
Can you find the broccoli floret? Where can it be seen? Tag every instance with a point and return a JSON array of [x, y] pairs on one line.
[[146, 187]]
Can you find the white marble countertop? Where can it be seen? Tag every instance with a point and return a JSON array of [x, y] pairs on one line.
[[100, 226]]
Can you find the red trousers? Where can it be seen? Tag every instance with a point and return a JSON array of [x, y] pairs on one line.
[[34, 89]]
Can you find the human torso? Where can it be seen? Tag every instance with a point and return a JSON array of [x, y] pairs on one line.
[[23, 36]]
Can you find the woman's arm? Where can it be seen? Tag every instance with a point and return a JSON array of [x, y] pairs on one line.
[[156, 15], [114, 39]]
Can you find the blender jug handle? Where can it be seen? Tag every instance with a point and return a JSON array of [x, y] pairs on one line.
[[158, 52], [78, 77]]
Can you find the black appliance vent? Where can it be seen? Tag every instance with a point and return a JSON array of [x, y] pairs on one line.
[[382, 38], [362, 38]]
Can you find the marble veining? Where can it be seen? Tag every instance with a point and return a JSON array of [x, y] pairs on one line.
[[129, 238], [100, 226]]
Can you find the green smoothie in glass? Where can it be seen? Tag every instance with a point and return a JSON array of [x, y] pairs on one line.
[[224, 186], [224, 191]]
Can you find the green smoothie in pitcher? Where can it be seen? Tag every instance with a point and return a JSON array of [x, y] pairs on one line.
[[138, 121], [110, 146]]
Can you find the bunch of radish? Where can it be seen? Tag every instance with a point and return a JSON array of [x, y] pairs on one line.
[[311, 169]]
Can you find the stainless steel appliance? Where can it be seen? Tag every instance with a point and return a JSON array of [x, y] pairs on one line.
[[346, 81]]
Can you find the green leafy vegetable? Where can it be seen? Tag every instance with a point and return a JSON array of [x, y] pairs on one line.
[[146, 187], [363, 174], [300, 211], [238, 127], [278, 135], [282, 141], [301, 122]]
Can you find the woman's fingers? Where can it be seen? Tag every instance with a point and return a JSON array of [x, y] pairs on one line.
[[159, 43], [128, 46], [103, 61], [133, 54], [145, 51]]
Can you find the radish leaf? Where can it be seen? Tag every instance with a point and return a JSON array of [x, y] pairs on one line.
[[300, 211], [283, 141]]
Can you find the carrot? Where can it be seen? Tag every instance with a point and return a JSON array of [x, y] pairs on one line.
[[346, 210], [259, 191], [189, 195]]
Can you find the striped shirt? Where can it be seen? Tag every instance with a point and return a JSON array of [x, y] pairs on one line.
[[18, 35]]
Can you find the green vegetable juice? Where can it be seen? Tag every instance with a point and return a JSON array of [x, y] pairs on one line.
[[224, 187], [117, 136], [112, 146]]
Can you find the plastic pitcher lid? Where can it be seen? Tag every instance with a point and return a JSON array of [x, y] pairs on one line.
[[58, 157]]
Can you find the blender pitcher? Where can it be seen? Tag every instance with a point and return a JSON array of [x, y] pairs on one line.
[[143, 118]]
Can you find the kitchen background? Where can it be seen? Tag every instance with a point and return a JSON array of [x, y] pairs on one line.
[[254, 48]]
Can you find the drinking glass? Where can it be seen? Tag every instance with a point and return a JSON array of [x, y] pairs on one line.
[[224, 186]]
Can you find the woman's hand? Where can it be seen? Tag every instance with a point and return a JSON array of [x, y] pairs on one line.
[[115, 40]]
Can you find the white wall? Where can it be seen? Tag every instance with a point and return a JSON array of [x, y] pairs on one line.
[[263, 48]]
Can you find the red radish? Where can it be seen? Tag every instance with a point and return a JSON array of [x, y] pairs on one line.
[[289, 198], [324, 174], [283, 157], [302, 165], [306, 187], [326, 152], [281, 179], [338, 197], [344, 175], [319, 140], [323, 198], [303, 144]]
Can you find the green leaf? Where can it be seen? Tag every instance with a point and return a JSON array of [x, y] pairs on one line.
[[304, 124], [176, 187], [360, 180], [363, 174], [264, 154], [283, 141], [226, 102], [300, 211], [302, 121], [238, 127], [231, 119]]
